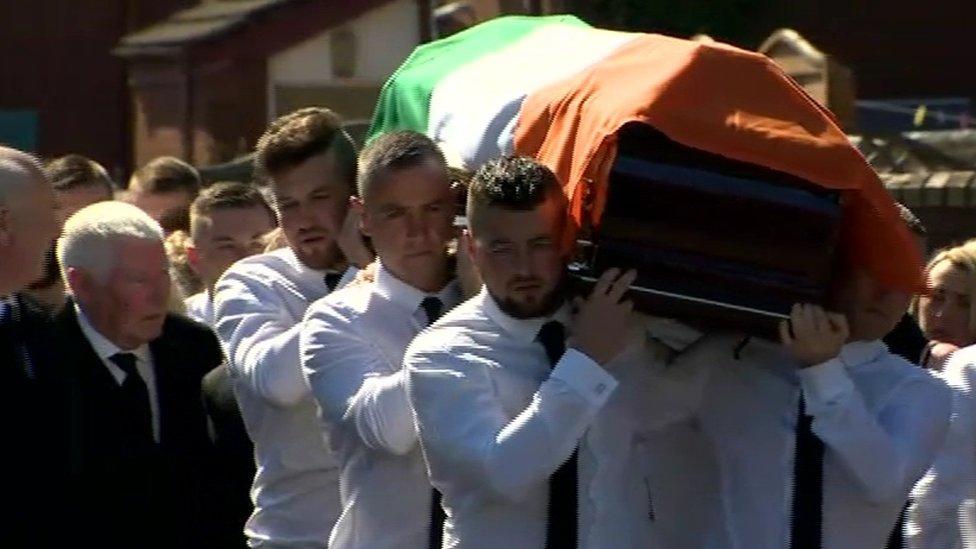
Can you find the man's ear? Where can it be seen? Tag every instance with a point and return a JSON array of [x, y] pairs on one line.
[[6, 225], [467, 240], [80, 283], [359, 208], [193, 257]]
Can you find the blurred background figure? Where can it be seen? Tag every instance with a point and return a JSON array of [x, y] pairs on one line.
[[78, 181], [907, 339], [228, 222], [947, 313], [164, 188]]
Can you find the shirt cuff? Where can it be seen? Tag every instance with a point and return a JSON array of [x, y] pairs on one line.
[[584, 376], [825, 383]]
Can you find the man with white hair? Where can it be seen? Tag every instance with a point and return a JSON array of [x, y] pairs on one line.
[[139, 450], [27, 227]]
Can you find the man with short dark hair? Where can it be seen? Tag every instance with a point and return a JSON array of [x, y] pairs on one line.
[[164, 188], [78, 182], [818, 438], [534, 438], [228, 222], [309, 164], [353, 341]]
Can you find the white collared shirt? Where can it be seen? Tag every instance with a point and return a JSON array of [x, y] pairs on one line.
[[495, 423], [943, 515], [352, 345], [199, 307], [144, 363], [258, 306], [880, 418]]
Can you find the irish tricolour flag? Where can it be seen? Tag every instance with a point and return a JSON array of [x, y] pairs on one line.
[[559, 90]]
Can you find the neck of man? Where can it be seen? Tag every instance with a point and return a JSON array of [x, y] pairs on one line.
[[429, 281]]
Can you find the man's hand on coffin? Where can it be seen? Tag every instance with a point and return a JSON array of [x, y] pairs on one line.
[[812, 335], [601, 325]]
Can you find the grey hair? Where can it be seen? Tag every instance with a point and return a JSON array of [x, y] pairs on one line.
[[18, 170], [89, 236]]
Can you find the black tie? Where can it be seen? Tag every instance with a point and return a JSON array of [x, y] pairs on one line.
[[806, 526], [136, 398], [332, 280], [432, 307], [561, 524]]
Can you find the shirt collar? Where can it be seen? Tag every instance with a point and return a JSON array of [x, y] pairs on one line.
[[103, 347], [522, 329], [393, 289], [856, 353]]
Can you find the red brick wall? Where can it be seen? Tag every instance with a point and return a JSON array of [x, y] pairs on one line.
[[56, 61]]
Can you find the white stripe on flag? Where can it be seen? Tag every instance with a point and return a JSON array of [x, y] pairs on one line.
[[474, 110]]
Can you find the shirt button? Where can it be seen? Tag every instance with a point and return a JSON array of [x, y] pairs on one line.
[[600, 388]]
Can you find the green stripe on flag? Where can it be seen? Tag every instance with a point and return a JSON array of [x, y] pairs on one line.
[[404, 102]]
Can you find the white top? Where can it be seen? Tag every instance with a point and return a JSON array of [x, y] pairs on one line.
[[259, 304], [199, 307], [880, 418], [943, 515], [352, 346], [495, 423], [144, 363]]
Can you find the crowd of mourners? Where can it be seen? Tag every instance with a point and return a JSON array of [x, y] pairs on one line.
[[326, 357]]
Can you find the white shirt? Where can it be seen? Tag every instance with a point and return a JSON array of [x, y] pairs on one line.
[[943, 515], [352, 347], [144, 363], [259, 304], [199, 307], [880, 418], [495, 423]]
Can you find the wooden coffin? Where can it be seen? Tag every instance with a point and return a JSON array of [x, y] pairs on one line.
[[714, 241]]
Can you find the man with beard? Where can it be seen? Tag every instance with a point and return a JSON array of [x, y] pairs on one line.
[[309, 163], [534, 441]]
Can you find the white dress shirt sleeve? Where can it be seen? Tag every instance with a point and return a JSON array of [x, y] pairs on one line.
[[468, 438], [355, 385], [885, 451], [259, 338]]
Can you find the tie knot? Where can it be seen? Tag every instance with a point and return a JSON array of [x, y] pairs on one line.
[[432, 308], [332, 280], [552, 336], [125, 361]]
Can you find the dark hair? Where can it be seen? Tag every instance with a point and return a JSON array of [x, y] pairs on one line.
[[395, 151], [226, 195], [513, 183], [297, 136], [73, 171], [166, 174], [912, 221]]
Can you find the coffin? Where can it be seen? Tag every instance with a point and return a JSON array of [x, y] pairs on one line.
[[714, 241]]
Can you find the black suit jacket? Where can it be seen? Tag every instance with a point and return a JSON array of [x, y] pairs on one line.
[[235, 453], [29, 418], [126, 494]]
